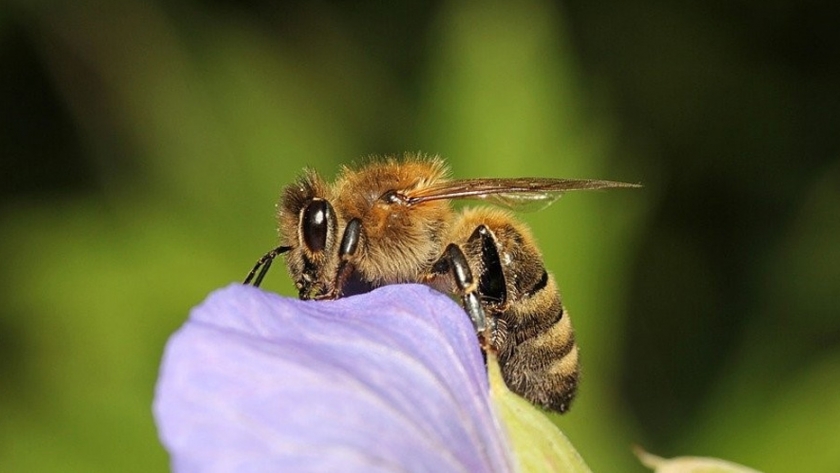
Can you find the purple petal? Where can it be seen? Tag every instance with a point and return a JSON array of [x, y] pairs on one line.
[[392, 380]]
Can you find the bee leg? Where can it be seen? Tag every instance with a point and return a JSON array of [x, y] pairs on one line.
[[263, 264], [491, 282], [453, 260], [346, 251]]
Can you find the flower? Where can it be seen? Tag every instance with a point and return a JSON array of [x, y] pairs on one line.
[[392, 380]]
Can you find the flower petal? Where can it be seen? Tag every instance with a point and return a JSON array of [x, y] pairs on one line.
[[392, 380]]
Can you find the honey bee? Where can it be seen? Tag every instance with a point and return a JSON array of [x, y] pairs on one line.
[[391, 221]]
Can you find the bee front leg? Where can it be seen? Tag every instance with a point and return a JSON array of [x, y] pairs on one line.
[[346, 251], [455, 262]]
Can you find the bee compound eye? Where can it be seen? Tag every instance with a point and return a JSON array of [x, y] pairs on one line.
[[315, 223]]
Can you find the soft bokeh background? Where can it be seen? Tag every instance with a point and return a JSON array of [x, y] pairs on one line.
[[143, 146]]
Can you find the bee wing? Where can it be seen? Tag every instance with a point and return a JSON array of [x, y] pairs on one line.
[[514, 192]]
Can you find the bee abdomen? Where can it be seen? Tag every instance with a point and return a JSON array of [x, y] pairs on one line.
[[540, 365]]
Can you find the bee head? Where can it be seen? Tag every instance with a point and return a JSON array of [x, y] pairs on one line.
[[309, 227]]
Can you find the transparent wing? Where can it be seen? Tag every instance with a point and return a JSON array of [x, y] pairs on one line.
[[519, 193]]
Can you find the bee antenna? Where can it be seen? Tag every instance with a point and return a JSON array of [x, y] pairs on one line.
[[263, 264]]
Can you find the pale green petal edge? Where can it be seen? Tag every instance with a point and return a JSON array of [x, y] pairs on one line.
[[689, 464], [537, 444]]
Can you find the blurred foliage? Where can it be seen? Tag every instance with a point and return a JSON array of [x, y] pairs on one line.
[[143, 146]]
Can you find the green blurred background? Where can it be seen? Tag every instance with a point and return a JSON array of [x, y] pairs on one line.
[[143, 146]]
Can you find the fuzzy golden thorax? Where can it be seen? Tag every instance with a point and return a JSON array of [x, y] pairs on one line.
[[399, 242]]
